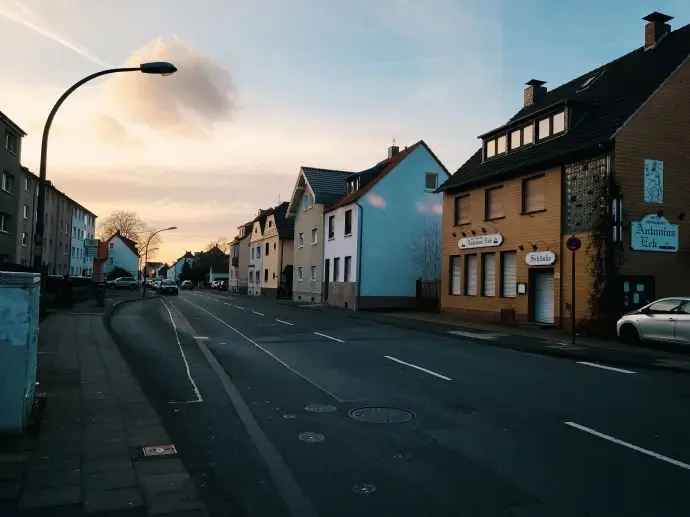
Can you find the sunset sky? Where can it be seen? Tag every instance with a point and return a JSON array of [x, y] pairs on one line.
[[265, 87]]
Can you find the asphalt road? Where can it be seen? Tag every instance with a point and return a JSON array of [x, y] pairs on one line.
[[491, 431]]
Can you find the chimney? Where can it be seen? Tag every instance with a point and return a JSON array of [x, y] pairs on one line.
[[535, 92], [655, 29], [392, 151]]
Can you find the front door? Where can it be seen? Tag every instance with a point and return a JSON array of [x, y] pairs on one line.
[[542, 292], [326, 279]]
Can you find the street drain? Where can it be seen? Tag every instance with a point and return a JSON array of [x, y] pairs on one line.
[[159, 450], [381, 415], [320, 408], [364, 488], [310, 437]]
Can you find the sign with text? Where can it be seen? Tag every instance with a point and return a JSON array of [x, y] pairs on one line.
[[653, 181], [654, 233], [540, 258], [90, 247], [480, 241]]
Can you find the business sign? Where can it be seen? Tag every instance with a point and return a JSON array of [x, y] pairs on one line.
[[540, 258], [90, 247], [653, 181], [480, 241], [654, 233]]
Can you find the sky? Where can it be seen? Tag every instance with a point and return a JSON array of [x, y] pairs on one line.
[[266, 87]]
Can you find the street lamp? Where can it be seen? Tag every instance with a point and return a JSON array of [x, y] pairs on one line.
[[159, 68], [146, 254]]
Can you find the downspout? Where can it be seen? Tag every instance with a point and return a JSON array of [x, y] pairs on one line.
[[360, 225]]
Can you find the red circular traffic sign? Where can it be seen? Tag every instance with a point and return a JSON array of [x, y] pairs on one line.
[[573, 243]]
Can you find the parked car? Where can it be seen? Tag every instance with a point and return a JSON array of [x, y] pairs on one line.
[[156, 284], [666, 320], [125, 282], [168, 287], [187, 284]]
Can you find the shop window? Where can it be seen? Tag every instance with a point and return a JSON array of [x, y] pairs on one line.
[[489, 276], [454, 272], [348, 267], [508, 274], [471, 283]]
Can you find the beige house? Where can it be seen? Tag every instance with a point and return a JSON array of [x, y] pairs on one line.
[[270, 253], [314, 190], [239, 259]]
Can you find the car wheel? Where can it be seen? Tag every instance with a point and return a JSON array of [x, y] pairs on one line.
[[629, 335]]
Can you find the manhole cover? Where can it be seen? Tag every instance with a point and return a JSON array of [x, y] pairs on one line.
[[364, 488], [310, 437], [320, 408], [381, 415], [160, 450]]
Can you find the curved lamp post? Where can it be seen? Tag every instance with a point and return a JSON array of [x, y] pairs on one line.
[[159, 68], [146, 254]]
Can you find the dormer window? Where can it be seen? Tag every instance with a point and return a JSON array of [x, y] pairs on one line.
[[352, 185], [501, 144], [490, 148], [551, 125]]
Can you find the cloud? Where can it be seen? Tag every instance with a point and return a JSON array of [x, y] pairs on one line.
[[199, 94], [376, 201], [22, 15], [110, 130]]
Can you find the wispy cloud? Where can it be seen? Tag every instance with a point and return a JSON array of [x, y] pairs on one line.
[[22, 15]]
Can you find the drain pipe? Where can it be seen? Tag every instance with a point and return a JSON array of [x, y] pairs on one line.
[[360, 225]]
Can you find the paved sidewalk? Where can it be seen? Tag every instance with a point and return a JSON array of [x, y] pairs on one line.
[[85, 456]]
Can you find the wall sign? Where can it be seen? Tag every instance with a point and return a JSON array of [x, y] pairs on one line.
[[654, 233], [481, 241], [540, 258], [522, 288], [653, 181]]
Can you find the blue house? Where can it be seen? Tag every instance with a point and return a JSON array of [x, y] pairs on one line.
[[384, 234]]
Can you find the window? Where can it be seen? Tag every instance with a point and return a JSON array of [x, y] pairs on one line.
[[4, 222], [11, 142], [336, 269], [544, 128], [24, 239], [490, 148], [265, 275], [664, 306], [489, 266], [258, 252], [258, 277], [558, 125], [430, 180], [515, 139], [300, 273], [268, 246], [508, 274], [454, 275], [462, 209], [527, 135], [348, 267], [7, 182], [26, 211], [313, 273], [533, 194], [493, 203], [26, 184], [348, 222], [501, 144], [314, 236], [471, 275], [307, 201], [252, 253], [270, 223], [300, 240], [331, 226], [274, 245]]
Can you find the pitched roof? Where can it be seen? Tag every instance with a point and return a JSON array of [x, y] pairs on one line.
[[285, 225], [370, 177], [128, 242], [328, 185], [599, 108], [7, 120]]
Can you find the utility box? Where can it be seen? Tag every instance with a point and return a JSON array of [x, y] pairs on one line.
[[19, 309]]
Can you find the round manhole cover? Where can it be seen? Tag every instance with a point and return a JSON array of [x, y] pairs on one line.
[[310, 437], [382, 415], [320, 408], [364, 488]]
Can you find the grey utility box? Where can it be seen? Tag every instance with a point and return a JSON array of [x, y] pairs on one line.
[[19, 306]]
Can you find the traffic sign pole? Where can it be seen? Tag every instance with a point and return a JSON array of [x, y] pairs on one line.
[[573, 244]]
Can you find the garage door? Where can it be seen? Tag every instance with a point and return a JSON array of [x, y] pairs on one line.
[[543, 297]]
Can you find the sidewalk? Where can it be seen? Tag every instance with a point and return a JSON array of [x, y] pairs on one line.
[[84, 456]]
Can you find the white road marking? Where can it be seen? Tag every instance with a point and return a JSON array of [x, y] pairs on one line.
[[430, 372], [200, 337], [266, 351], [474, 335], [199, 398], [238, 307], [603, 367], [329, 337], [258, 313], [285, 322], [629, 445]]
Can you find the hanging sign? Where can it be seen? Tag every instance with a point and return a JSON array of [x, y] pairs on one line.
[[654, 233], [540, 258], [480, 241]]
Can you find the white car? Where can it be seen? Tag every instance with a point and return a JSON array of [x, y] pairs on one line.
[[666, 320]]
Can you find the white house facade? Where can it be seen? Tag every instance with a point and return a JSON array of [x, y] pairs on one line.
[[122, 253]]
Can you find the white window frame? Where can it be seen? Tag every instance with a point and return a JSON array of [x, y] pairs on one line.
[[26, 211], [426, 178], [300, 273], [455, 275], [300, 240], [314, 236], [24, 239], [313, 273]]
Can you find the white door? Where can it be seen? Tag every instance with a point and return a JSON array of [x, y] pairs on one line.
[[543, 296]]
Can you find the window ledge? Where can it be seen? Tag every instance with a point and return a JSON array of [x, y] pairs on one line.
[[331, 238], [348, 235], [463, 224], [495, 218], [530, 212]]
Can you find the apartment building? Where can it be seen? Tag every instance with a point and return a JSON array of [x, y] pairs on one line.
[[10, 184], [83, 229]]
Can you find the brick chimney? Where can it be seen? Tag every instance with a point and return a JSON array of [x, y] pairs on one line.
[[393, 150], [535, 92], [655, 29]]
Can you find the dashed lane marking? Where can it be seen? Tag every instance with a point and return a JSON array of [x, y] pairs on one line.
[[285, 322], [330, 337], [604, 367], [258, 313]]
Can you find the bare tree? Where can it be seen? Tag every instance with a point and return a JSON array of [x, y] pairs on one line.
[[131, 226], [426, 250], [221, 243]]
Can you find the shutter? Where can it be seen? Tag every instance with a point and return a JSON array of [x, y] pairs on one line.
[[509, 274], [534, 194], [489, 274], [494, 205], [471, 264], [455, 275]]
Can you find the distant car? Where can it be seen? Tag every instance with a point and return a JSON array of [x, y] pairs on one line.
[[665, 320], [186, 284], [168, 287], [156, 284], [214, 284], [125, 282]]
